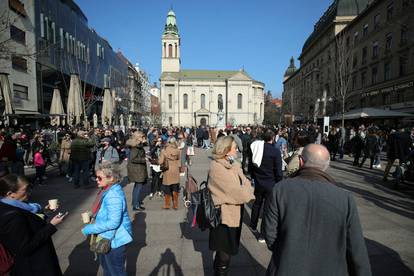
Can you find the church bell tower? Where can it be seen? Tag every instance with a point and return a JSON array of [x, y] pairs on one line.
[[171, 60]]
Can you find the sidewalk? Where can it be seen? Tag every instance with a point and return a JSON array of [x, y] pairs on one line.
[[165, 244]]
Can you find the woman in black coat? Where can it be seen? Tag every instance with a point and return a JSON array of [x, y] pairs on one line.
[[24, 232]]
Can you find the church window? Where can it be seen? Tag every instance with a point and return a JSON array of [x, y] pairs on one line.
[[170, 50], [165, 49], [169, 101], [239, 101], [175, 53], [185, 101], [220, 102], [203, 101]]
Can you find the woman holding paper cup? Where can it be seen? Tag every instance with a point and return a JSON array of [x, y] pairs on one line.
[[24, 232], [110, 221]]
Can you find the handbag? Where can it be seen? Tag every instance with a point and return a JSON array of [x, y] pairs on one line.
[[100, 245], [207, 214], [164, 166]]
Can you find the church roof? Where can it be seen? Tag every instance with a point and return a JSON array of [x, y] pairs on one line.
[[207, 75], [291, 69], [171, 24]]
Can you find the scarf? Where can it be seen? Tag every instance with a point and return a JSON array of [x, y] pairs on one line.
[[314, 174], [98, 201], [27, 206]]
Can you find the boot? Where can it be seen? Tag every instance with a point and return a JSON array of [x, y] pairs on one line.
[[167, 200], [175, 200], [221, 270]]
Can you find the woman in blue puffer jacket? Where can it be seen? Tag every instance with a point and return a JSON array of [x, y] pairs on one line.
[[111, 219]]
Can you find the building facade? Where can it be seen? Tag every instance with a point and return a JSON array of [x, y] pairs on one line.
[[354, 56], [53, 41], [204, 97]]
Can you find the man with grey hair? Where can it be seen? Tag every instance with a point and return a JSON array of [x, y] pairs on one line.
[[312, 226]]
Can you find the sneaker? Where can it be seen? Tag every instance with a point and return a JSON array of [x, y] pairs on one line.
[[139, 208], [254, 230], [151, 195], [261, 240], [70, 179]]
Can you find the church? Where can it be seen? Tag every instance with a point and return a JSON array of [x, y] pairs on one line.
[[204, 97]]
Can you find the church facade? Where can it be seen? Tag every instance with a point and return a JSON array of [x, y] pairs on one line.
[[204, 97]]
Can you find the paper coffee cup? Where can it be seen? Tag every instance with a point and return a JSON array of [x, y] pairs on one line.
[[86, 218], [53, 204]]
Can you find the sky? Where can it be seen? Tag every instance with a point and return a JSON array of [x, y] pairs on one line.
[[257, 35]]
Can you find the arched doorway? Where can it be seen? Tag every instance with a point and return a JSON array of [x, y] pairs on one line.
[[203, 121]]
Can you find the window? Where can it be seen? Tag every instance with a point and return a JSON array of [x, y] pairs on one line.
[[42, 25], [62, 38], [18, 7], [165, 49], [19, 63], [20, 92], [375, 49], [220, 102], [355, 37], [185, 101], [17, 35], [365, 30], [405, 3], [355, 61], [364, 55], [387, 71], [403, 65], [388, 42], [169, 101], [376, 21], [347, 42], [403, 39], [53, 32], [354, 82], [175, 52], [239, 101], [390, 11], [98, 49], [363, 79], [374, 75], [170, 50], [203, 101]]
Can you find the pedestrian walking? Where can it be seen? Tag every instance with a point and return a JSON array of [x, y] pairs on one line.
[[137, 168], [266, 173], [155, 167], [81, 157], [40, 166], [322, 235], [64, 158], [230, 189]]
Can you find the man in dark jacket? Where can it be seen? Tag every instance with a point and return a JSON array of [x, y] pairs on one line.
[[265, 177], [245, 138], [312, 226], [80, 157]]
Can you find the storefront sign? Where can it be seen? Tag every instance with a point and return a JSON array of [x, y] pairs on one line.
[[388, 89]]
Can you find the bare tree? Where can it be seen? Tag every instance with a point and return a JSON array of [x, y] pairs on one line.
[[343, 74]]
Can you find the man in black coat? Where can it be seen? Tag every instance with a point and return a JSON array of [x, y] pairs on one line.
[[312, 226], [265, 177]]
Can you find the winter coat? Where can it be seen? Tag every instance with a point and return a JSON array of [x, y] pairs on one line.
[[371, 145], [80, 149], [229, 189], [109, 155], [270, 170], [333, 141], [65, 150], [28, 238], [112, 220], [137, 164], [172, 154], [320, 236], [38, 160]]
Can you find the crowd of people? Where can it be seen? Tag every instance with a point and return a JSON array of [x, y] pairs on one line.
[[280, 170]]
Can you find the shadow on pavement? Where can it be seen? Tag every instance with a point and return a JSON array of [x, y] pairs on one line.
[[81, 261], [139, 235], [168, 265], [385, 261], [403, 208]]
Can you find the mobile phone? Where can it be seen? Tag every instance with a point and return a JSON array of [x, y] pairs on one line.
[[62, 214]]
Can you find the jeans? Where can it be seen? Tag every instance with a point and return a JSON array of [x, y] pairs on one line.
[[113, 263], [40, 172], [206, 144], [79, 166], [135, 194], [261, 195]]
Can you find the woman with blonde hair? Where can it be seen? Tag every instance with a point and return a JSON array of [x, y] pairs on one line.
[[170, 160], [137, 167], [230, 189]]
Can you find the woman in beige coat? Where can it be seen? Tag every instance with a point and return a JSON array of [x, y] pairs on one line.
[[230, 189], [64, 158], [171, 177]]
